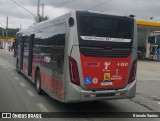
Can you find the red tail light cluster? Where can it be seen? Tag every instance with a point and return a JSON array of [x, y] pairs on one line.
[[133, 72], [73, 69]]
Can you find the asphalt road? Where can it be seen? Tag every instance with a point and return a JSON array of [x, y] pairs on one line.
[[18, 94]]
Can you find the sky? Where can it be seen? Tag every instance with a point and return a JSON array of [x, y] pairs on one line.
[[18, 17]]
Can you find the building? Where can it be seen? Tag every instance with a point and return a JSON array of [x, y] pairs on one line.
[[148, 39], [5, 43]]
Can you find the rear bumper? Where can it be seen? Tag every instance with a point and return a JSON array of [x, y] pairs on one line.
[[77, 94]]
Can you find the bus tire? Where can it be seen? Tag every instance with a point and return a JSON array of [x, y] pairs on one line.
[[38, 83]]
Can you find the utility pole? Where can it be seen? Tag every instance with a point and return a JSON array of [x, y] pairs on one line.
[[42, 11], [6, 43], [38, 11], [7, 29]]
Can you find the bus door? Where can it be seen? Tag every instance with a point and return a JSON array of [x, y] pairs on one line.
[[22, 53], [30, 58]]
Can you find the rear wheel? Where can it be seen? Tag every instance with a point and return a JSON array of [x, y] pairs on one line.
[[38, 83]]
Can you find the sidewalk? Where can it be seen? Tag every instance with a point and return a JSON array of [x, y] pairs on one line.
[[148, 70], [6, 51]]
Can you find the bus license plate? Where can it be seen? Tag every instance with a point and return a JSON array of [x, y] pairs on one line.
[[106, 83]]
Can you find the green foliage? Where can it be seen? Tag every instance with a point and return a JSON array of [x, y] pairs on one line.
[[11, 32], [40, 19], [2, 32]]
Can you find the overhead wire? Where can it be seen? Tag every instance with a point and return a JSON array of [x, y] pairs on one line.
[[102, 3], [63, 3], [23, 8], [2, 24]]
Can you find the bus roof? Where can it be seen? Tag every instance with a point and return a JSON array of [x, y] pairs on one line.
[[62, 18]]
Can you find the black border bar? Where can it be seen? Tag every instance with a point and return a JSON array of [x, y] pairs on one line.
[[79, 115]]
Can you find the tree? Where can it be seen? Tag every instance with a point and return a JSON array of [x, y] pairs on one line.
[[11, 32], [2, 32], [41, 18]]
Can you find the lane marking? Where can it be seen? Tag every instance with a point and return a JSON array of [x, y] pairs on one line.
[[29, 92], [42, 107], [158, 103], [22, 84], [152, 96]]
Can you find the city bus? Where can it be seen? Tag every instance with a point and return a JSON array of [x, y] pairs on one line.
[[80, 56]]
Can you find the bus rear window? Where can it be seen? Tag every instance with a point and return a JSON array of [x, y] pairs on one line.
[[105, 31], [105, 27]]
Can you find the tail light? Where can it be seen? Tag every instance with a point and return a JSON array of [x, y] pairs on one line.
[[73, 69], [133, 71]]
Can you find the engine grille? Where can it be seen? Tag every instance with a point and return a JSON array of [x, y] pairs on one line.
[[101, 52]]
